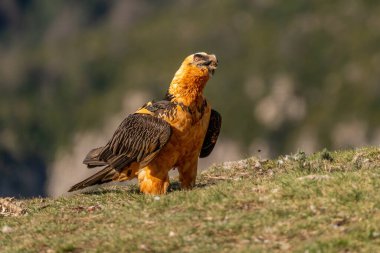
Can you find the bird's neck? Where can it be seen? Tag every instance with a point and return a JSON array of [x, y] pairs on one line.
[[187, 86]]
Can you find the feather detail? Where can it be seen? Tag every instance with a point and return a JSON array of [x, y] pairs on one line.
[[212, 134], [92, 158], [104, 176]]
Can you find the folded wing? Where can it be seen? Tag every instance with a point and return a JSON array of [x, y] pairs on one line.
[[212, 134], [139, 138]]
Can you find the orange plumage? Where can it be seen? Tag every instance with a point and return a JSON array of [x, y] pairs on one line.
[[162, 135]]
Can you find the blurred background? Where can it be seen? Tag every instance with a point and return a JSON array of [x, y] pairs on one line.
[[293, 75]]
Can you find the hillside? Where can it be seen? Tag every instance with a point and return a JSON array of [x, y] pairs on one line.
[[326, 202], [301, 74]]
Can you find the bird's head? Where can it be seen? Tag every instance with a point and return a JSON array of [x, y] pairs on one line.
[[201, 64], [192, 76]]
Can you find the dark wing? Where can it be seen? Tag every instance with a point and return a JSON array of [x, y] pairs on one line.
[[138, 139], [92, 158], [212, 134]]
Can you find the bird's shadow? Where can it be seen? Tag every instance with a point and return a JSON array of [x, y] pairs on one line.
[[114, 189], [133, 189], [176, 186]]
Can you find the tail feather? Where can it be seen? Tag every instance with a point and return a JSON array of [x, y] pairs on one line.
[[101, 177]]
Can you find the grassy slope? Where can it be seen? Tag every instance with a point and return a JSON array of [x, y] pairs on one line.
[[326, 201]]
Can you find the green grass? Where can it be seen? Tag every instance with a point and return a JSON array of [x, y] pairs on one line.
[[326, 202]]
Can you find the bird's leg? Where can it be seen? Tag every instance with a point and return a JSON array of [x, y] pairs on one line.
[[188, 174], [153, 181], [127, 173]]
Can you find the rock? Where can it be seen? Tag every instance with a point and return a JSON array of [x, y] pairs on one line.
[[6, 229]]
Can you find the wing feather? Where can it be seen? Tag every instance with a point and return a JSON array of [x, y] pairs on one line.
[[212, 134], [92, 160], [138, 138]]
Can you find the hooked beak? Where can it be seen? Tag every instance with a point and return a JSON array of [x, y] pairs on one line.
[[206, 60], [212, 64]]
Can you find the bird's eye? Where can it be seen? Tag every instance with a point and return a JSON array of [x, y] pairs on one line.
[[198, 57]]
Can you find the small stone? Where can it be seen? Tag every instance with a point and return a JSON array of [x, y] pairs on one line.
[[157, 198], [143, 247], [171, 234], [275, 190], [257, 165], [6, 229]]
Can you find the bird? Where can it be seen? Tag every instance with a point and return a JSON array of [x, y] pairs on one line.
[[162, 135]]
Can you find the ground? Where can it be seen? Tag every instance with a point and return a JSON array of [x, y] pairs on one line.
[[325, 202]]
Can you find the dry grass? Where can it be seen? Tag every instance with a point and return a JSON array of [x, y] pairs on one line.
[[11, 207], [326, 202]]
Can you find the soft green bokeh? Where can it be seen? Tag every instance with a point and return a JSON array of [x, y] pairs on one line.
[[289, 71]]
